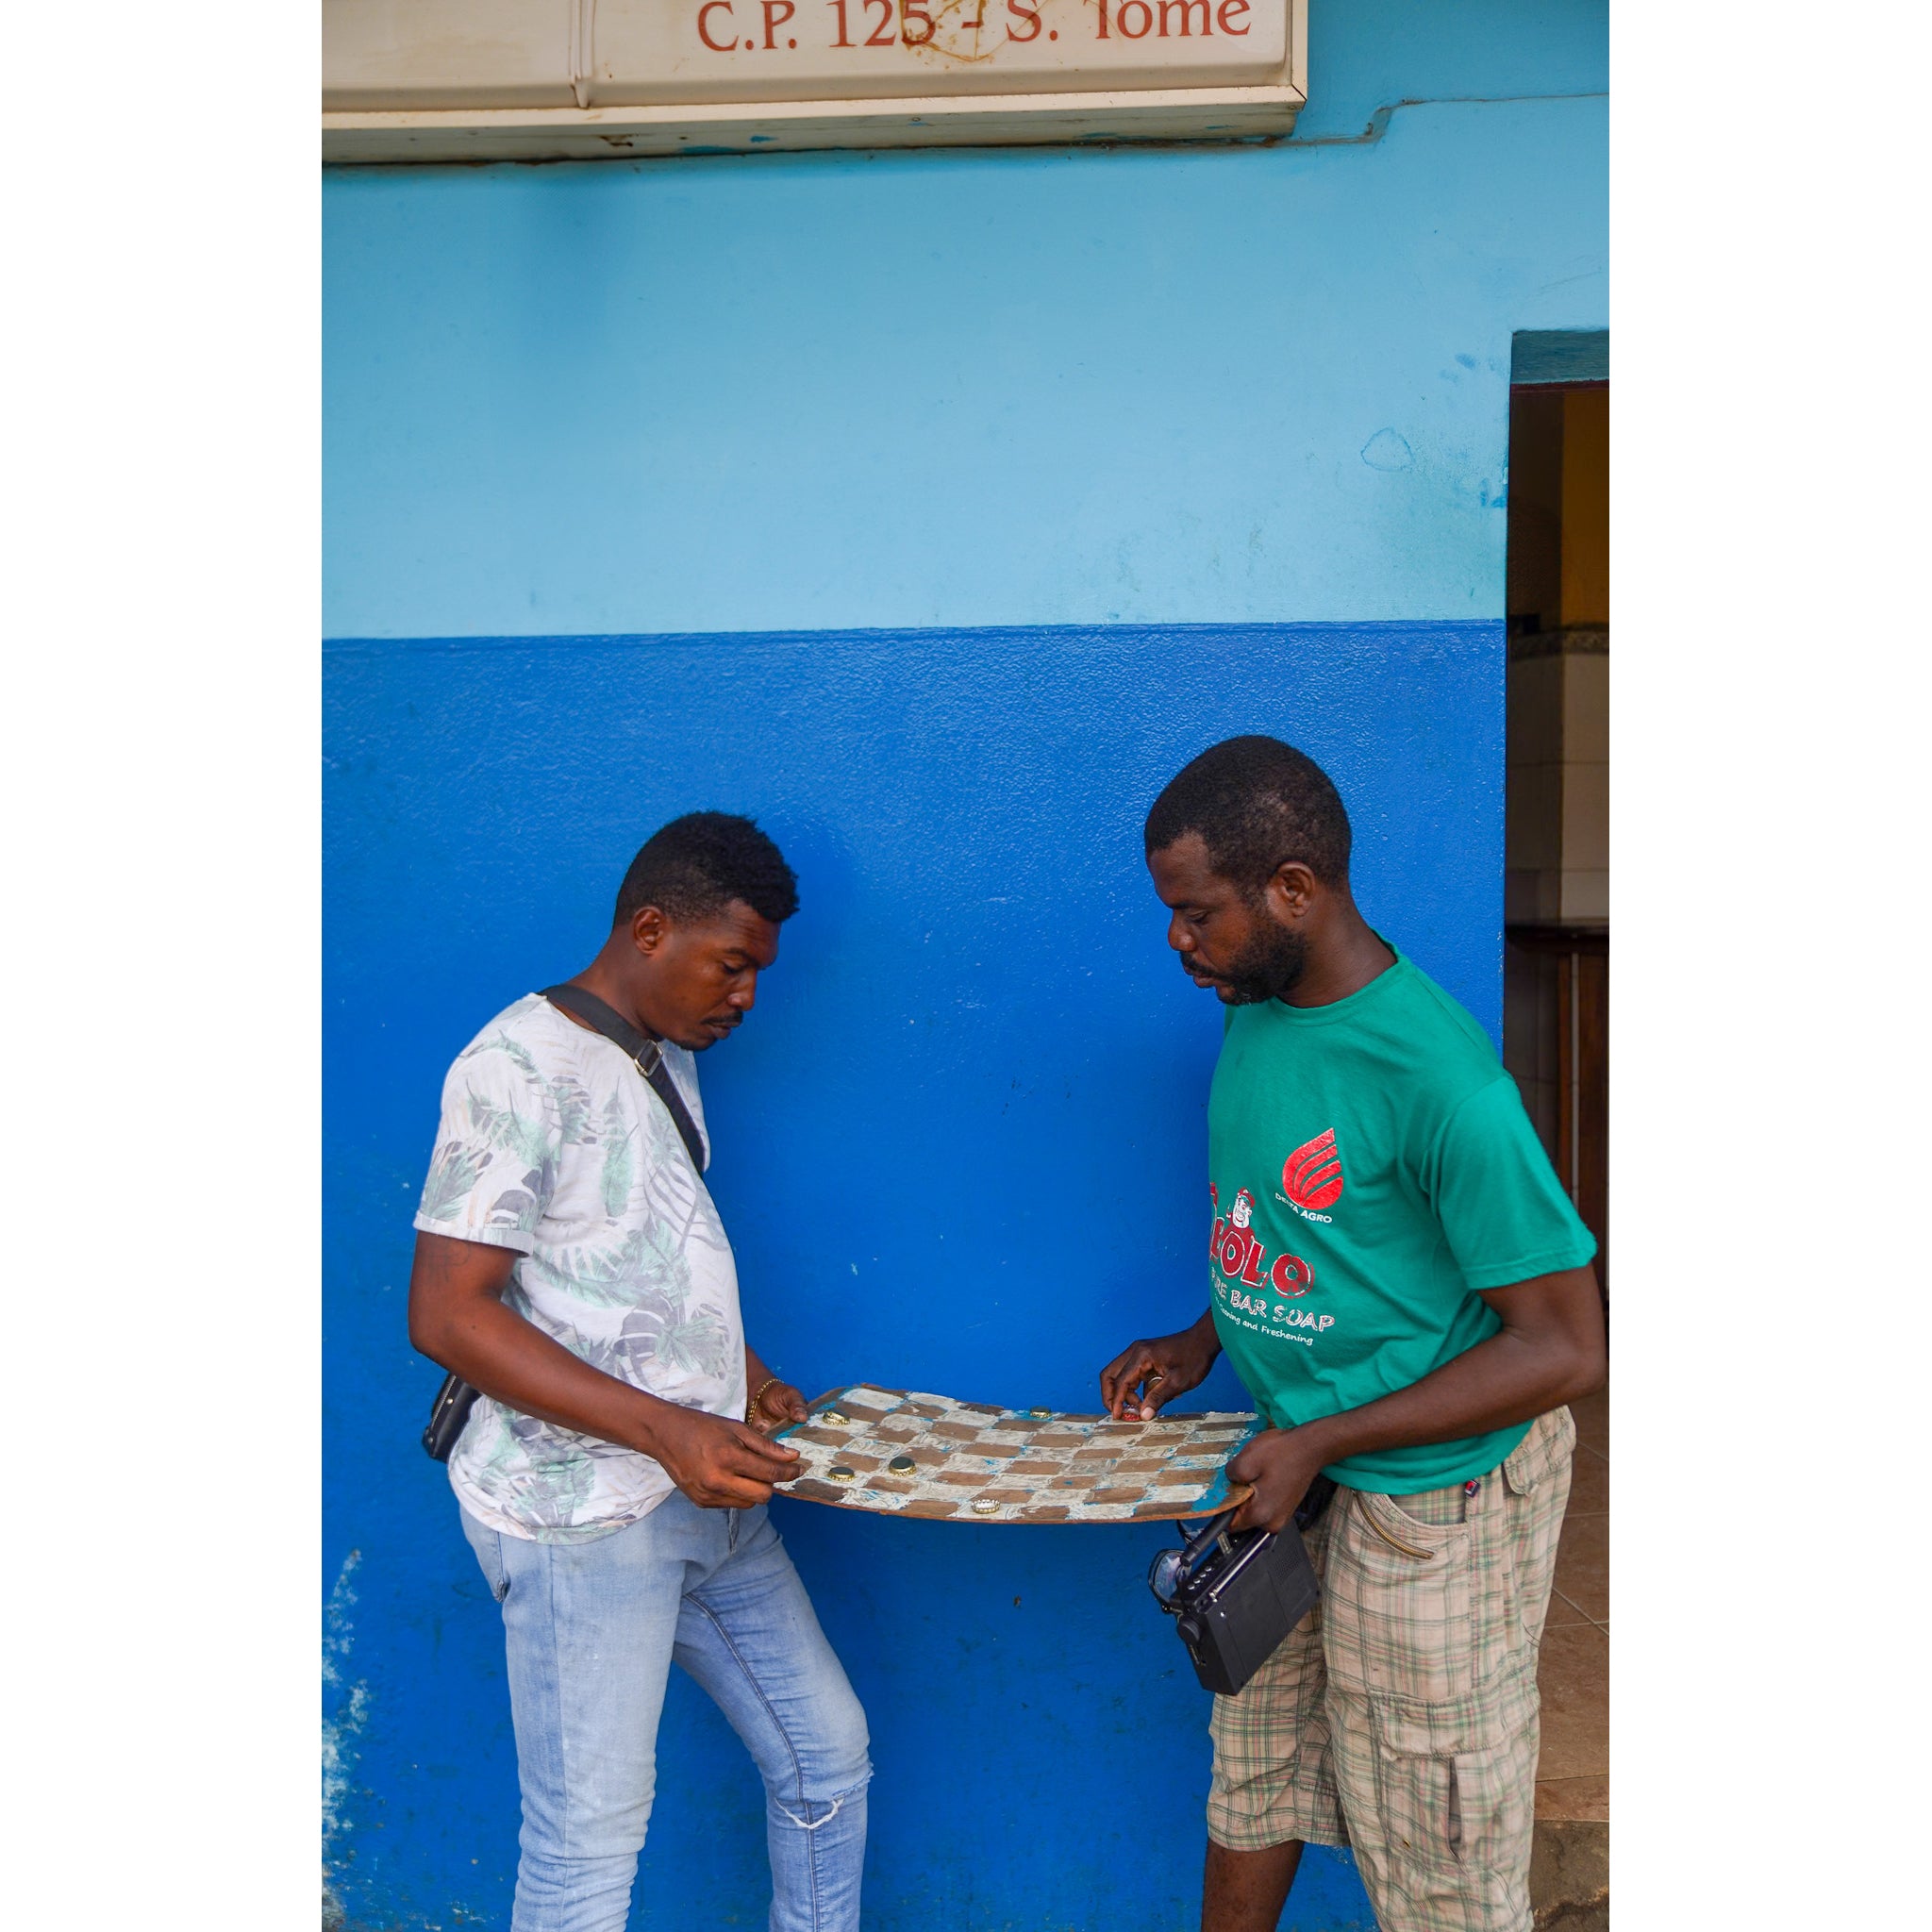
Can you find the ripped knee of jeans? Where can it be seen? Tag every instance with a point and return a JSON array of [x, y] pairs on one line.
[[821, 1811]]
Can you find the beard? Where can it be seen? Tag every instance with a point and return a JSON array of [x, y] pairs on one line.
[[1267, 968]]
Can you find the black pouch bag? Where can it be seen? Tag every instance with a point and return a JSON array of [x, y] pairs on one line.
[[450, 1412], [1235, 1598]]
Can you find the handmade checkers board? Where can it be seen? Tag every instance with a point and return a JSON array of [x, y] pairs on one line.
[[911, 1455]]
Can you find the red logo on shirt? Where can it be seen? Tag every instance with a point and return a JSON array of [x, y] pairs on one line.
[[1241, 1257], [1311, 1176]]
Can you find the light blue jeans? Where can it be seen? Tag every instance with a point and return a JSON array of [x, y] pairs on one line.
[[591, 1630]]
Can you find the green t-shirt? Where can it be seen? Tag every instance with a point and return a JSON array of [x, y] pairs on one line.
[[1372, 1169]]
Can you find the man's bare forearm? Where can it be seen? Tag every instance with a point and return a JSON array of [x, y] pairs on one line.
[[1505, 1380], [458, 1318], [494, 1349], [1549, 1350], [1513, 1376]]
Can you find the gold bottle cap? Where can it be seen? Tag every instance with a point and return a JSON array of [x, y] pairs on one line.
[[833, 1418], [1040, 1415], [840, 1473], [983, 1506], [902, 1465]]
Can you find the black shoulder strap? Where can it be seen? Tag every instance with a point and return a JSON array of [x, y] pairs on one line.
[[645, 1054]]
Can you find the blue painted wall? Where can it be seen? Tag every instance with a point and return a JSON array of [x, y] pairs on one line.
[[1234, 422]]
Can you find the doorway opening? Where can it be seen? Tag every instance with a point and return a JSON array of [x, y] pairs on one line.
[[1555, 1011], [1556, 846]]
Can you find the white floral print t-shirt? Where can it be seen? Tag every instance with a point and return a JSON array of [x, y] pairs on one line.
[[552, 1143]]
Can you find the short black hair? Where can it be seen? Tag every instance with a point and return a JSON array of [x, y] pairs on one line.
[[1257, 804], [697, 865]]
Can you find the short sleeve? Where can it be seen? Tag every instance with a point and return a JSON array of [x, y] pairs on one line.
[[1503, 1210], [496, 1148]]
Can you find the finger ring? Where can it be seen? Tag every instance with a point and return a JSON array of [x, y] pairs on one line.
[[1155, 1377]]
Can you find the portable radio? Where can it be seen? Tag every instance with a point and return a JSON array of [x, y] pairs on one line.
[[1234, 1598]]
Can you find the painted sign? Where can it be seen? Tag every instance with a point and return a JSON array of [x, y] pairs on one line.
[[466, 77], [720, 50]]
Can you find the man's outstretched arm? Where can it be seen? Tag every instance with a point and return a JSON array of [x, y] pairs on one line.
[[1549, 1350], [458, 1318]]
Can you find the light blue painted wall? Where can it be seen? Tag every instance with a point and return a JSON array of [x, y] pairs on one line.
[[1365, 55], [903, 394], [960, 388]]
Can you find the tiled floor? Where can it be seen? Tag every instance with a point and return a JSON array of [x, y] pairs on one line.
[[1573, 1778]]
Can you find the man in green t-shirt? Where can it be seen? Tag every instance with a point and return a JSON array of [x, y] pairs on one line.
[[1405, 1288]]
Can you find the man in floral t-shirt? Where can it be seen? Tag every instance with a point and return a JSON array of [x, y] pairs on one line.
[[571, 1265]]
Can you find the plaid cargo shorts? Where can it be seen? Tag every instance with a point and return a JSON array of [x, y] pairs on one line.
[[1401, 1717]]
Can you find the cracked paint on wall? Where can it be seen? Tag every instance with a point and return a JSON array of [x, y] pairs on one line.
[[345, 1712]]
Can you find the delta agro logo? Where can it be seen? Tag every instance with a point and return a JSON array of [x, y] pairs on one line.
[[1311, 1178]]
